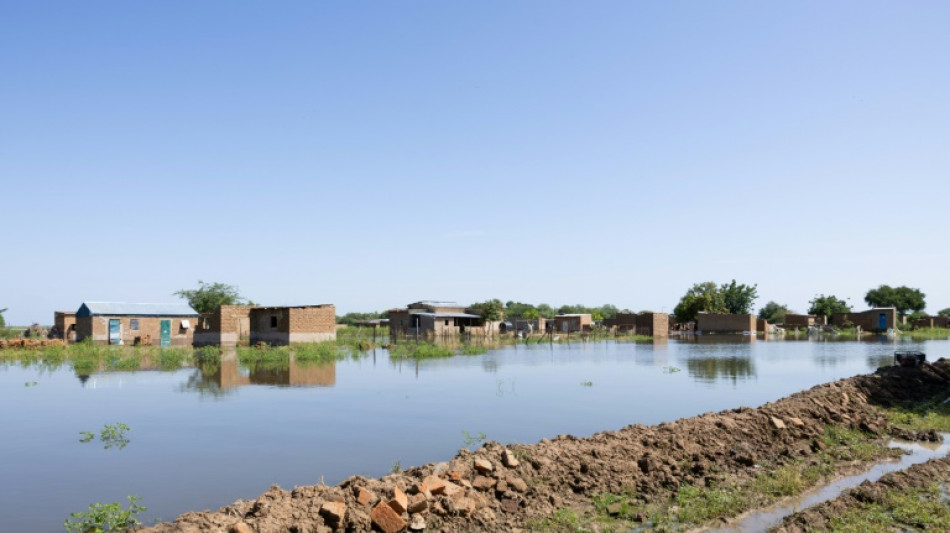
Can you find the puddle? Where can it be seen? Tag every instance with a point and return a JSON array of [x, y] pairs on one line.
[[762, 520]]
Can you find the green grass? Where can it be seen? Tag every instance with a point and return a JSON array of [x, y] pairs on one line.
[[900, 509], [563, 520], [928, 333], [933, 414], [422, 350], [692, 505]]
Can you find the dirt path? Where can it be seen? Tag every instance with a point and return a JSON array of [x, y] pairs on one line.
[[508, 489]]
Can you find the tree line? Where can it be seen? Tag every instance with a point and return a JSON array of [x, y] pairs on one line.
[[732, 297]]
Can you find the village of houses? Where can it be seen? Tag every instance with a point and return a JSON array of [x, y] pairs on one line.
[[177, 324]]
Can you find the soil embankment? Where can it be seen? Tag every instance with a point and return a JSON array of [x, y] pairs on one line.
[[499, 488]]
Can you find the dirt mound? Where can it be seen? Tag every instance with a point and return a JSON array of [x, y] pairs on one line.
[[819, 517], [499, 488]]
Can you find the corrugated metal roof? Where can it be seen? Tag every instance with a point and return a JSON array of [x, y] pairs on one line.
[[120, 308]]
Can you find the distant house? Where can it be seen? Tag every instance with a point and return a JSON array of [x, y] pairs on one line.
[[932, 322], [429, 318], [878, 319], [290, 325], [650, 324], [136, 323], [793, 321], [225, 326], [64, 326], [571, 323], [725, 323]]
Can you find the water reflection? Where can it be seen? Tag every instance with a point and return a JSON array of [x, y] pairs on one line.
[[229, 374], [712, 369]]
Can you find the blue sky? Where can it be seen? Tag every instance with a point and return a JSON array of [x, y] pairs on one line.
[[371, 154]]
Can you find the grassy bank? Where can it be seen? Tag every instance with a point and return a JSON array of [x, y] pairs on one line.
[[927, 333]]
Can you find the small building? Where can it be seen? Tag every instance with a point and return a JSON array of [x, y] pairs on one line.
[[653, 324], [136, 323], [878, 319], [725, 323], [291, 325], [528, 325], [225, 326], [64, 326], [623, 322], [429, 318], [571, 323], [794, 321]]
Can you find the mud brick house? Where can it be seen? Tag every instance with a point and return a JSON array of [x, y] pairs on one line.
[[228, 374], [290, 325], [793, 321], [133, 323], [622, 322], [725, 323], [653, 324], [932, 322], [64, 325], [429, 318], [570, 323], [879, 319], [226, 326]]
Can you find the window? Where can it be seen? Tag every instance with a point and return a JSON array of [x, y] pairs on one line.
[[446, 322], [134, 324], [273, 321]]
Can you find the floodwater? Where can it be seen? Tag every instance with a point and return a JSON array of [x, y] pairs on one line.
[[202, 438]]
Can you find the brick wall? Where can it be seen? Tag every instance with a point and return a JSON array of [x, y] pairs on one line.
[[653, 324], [286, 325], [793, 321], [725, 323], [148, 329], [867, 320], [64, 321]]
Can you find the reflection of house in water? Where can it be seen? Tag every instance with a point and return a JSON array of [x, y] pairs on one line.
[[713, 369], [229, 374]]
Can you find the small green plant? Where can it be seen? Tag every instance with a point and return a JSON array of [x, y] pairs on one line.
[[105, 517], [30, 384], [587, 383], [671, 369], [471, 439], [397, 467], [111, 436]]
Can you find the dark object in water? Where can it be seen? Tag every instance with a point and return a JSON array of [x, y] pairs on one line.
[[909, 358]]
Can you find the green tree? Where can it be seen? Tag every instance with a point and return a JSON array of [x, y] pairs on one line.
[[773, 312], [210, 296], [822, 305], [944, 312], [3, 322], [531, 314], [517, 309], [903, 298], [738, 297], [546, 311], [490, 311], [608, 311], [351, 318], [704, 296]]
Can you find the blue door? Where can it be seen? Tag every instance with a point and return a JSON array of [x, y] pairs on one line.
[[882, 322], [115, 331], [166, 332]]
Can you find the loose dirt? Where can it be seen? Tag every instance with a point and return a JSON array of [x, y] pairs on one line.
[[499, 488]]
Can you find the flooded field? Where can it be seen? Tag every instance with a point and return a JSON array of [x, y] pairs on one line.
[[203, 437]]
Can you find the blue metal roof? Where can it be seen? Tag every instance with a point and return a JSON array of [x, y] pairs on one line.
[[119, 308]]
